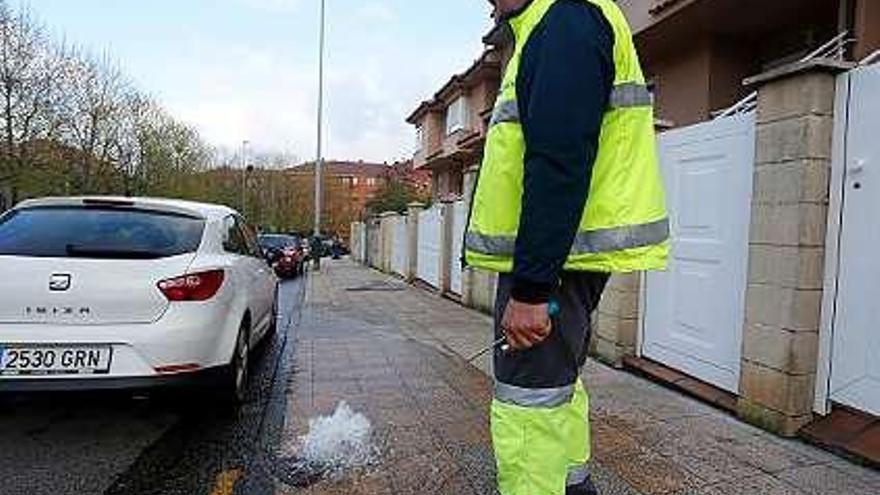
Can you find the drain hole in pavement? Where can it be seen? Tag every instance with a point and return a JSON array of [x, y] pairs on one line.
[[376, 287]]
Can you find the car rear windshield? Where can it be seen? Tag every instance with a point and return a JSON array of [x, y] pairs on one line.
[[111, 233], [277, 241]]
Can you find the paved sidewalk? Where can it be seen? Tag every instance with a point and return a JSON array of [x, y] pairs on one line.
[[396, 353]]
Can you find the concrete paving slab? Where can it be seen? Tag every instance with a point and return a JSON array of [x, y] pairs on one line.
[[399, 357]]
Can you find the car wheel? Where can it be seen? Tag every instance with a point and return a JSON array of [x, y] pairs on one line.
[[273, 323], [235, 388]]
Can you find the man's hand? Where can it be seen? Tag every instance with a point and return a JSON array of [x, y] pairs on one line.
[[525, 325]]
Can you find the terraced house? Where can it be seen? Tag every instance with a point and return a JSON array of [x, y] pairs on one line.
[[696, 53], [767, 109], [765, 309], [451, 126]]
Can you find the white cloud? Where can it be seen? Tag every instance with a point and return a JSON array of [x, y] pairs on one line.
[[376, 12], [273, 5], [249, 94], [238, 89]]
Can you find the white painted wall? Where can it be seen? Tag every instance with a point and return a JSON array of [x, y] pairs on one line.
[[399, 250], [694, 312], [852, 339], [430, 237], [459, 218]]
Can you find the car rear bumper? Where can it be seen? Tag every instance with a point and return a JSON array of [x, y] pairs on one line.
[[287, 268], [187, 338], [203, 378]]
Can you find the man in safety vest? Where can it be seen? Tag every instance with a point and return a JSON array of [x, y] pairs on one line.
[[569, 192]]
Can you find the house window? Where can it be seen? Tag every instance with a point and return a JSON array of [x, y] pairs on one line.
[[420, 138], [456, 115]]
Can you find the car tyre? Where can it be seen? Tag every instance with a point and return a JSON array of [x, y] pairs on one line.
[[273, 324], [234, 388]]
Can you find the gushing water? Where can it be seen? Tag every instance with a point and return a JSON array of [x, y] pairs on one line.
[[335, 444]]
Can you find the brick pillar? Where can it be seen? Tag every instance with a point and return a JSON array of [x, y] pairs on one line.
[[372, 227], [386, 233], [787, 245], [447, 212], [617, 319], [355, 240], [412, 239], [468, 275]]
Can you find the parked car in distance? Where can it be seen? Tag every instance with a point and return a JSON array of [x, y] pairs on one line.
[[110, 293], [285, 253]]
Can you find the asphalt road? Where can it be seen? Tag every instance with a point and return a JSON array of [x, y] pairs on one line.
[[157, 443]]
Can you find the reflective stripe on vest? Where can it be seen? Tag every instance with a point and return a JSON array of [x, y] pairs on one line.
[[533, 397], [506, 111], [627, 95], [630, 95], [590, 242]]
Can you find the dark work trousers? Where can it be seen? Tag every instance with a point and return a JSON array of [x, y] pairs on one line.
[[556, 361]]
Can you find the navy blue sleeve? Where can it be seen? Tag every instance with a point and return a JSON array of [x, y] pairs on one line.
[[565, 80]]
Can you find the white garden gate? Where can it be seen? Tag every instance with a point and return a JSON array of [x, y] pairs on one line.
[[362, 243], [851, 311], [459, 218], [694, 312], [399, 248], [430, 239]]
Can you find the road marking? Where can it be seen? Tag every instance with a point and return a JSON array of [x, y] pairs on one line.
[[226, 480]]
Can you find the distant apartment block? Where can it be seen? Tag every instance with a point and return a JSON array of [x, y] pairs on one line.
[[349, 186]]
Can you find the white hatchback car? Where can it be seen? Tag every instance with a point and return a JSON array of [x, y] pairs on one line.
[[105, 292]]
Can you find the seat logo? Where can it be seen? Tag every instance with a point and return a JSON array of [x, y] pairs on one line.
[[59, 282]]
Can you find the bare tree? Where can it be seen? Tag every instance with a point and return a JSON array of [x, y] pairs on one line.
[[94, 118], [73, 123], [31, 74]]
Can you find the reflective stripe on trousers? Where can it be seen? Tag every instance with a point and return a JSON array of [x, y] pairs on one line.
[[533, 397], [541, 450], [577, 475], [587, 242], [540, 429], [626, 95]]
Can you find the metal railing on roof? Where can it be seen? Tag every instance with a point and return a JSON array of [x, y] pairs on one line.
[[834, 49], [870, 59]]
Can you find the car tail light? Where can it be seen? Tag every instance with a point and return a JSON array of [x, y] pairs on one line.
[[192, 287], [177, 368]]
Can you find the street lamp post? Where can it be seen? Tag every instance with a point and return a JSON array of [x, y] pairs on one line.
[[319, 161], [244, 165]]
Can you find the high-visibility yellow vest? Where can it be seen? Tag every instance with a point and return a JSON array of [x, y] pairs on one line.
[[625, 224]]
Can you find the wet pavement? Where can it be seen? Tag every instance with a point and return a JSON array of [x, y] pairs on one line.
[[372, 340], [427, 408], [396, 354], [151, 443]]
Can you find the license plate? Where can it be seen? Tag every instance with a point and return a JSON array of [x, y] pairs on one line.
[[54, 360]]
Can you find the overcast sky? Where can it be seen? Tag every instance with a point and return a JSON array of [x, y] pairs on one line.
[[247, 69]]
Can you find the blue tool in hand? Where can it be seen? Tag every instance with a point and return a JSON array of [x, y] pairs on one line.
[[553, 308]]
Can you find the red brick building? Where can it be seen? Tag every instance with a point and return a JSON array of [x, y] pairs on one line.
[[349, 186]]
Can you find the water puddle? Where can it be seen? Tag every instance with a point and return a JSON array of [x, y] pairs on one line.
[[336, 445]]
